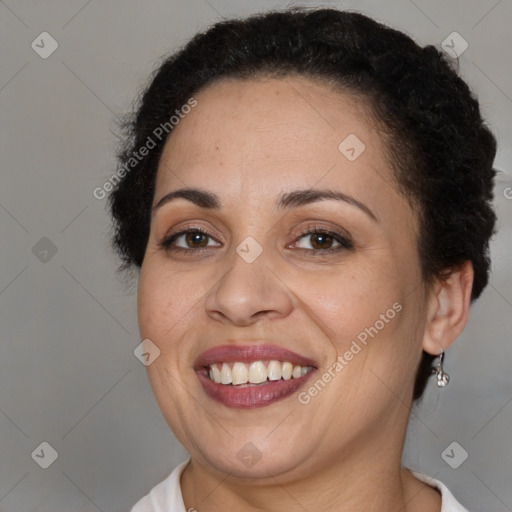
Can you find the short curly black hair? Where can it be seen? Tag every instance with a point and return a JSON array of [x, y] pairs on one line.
[[441, 151]]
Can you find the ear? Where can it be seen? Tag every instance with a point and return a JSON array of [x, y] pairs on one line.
[[448, 308]]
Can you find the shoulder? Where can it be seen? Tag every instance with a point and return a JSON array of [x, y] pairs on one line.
[[449, 503], [164, 496]]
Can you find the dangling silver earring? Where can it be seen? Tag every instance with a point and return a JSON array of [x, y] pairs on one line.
[[442, 377]]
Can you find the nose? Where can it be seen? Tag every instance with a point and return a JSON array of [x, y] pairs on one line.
[[248, 293]]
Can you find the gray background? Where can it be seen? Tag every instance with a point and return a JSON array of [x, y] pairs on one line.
[[68, 375]]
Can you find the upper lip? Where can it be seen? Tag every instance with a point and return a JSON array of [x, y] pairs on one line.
[[248, 353]]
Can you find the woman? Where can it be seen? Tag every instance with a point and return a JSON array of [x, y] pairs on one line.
[[307, 195]]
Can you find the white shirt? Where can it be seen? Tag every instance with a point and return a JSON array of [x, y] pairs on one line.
[[166, 496]]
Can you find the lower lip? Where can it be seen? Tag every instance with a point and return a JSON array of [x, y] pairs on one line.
[[250, 397]]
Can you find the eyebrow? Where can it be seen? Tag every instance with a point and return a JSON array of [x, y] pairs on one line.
[[308, 196], [294, 199], [199, 197]]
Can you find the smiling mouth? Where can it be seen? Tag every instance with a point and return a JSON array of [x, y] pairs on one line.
[[247, 377]]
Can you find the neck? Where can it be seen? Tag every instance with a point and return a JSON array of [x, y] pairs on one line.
[[378, 491]]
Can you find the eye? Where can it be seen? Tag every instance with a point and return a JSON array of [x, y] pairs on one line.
[[187, 239], [323, 240]]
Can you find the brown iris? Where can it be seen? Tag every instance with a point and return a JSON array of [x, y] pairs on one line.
[[196, 237], [323, 239]]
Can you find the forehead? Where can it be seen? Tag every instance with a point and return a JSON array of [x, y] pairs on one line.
[[269, 134]]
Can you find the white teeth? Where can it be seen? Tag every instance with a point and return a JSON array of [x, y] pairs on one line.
[[274, 370], [239, 374], [256, 372], [225, 374], [216, 373], [287, 370], [297, 372]]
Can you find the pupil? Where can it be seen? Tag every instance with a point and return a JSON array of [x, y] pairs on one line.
[[195, 238], [322, 240]]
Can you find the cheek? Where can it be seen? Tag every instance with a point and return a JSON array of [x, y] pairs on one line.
[[371, 320], [163, 309], [346, 301], [164, 300], [373, 354], [149, 305]]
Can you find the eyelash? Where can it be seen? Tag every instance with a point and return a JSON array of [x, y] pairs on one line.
[[345, 243]]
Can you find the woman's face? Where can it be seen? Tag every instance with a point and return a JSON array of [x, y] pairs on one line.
[[346, 301]]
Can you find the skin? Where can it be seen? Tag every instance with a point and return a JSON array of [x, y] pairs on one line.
[[248, 142]]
